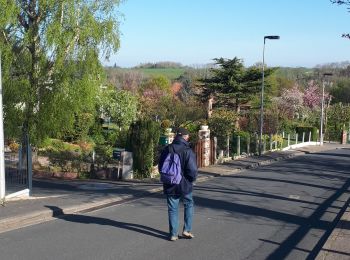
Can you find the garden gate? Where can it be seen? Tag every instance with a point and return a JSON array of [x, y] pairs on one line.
[[18, 171]]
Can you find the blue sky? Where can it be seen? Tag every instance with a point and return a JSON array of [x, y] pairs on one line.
[[193, 32]]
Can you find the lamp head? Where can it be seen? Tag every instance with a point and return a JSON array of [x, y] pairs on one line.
[[327, 74], [272, 37]]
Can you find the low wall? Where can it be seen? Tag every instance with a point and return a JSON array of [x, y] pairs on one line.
[[300, 145]]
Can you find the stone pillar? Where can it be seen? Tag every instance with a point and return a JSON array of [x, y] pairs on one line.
[[204, 136], [343, 137]]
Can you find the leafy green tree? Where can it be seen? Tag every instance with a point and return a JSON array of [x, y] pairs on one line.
[[120, 105], [180, 112], [222, 125], [51, 61], [341, 91], [338, 118], [82, 124], [282, 84], [152, 91], [155, 87]]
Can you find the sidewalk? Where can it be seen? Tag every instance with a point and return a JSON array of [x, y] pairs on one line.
[[51, 198], [337, 245]]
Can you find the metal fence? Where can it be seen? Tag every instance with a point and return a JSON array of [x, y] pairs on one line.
[[249, 145], [18, 171]]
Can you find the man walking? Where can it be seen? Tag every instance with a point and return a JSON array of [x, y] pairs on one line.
[[183, 190]]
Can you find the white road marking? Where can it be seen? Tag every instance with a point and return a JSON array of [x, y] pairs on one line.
[[295, 197]]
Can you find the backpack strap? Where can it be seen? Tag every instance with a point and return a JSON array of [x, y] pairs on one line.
[[172, 151]]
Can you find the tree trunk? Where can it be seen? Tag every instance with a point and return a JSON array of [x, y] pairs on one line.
[[238, 111]]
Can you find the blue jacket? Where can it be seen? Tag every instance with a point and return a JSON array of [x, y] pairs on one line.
[[188, 164]]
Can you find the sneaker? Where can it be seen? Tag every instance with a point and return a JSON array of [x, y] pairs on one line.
[[187, 235], [174, 238]]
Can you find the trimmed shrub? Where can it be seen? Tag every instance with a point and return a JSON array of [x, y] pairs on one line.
[[193, 128], [244, 140], [143, 141], [222, 124]]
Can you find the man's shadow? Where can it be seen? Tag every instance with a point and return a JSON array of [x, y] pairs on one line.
[[59, 214]]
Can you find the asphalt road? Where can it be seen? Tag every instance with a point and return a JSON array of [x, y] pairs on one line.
[[285, 210]]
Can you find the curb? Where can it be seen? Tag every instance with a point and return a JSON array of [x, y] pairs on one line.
[[13, 223], [253, 165]]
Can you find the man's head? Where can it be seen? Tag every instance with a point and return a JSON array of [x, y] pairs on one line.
[[183, 132]]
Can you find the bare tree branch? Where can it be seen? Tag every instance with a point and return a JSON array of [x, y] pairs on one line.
[[343, 2]]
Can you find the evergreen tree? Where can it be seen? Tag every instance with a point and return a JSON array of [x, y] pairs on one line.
[[232, 84], [143, 142]]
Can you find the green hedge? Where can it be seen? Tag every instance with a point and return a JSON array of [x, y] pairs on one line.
[[246, 139], [306, 129]]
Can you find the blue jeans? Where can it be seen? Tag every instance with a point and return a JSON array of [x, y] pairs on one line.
[[173, 212]]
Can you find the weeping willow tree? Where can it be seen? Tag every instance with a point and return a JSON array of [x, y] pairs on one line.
[[51, 67]]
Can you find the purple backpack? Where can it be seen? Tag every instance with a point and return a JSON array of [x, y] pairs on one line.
[[170, 172]]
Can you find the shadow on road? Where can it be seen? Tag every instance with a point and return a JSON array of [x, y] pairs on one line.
[[305, 224], [344, 224], [59, 214], [301, 172], [307, 251], [333, 154]]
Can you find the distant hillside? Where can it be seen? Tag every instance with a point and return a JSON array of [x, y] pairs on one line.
[[173, 70], [160, 65], [294, 73], [170, 73], [174, 73]]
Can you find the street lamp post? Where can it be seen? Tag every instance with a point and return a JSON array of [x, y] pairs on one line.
[[2, 149], [322, 106], [270, 37]]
